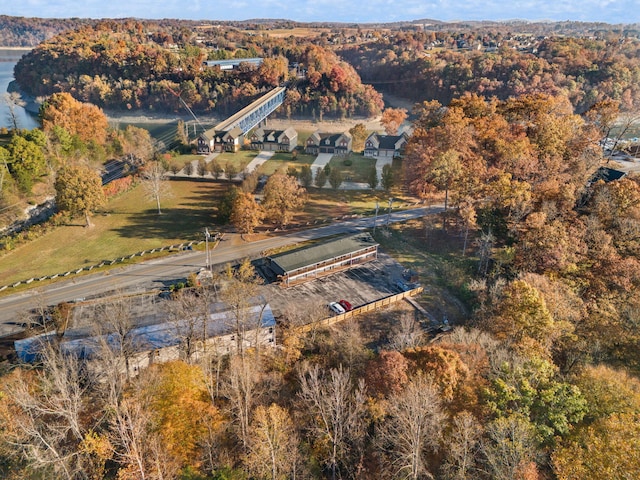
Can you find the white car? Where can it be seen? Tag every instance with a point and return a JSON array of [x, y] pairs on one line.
[[336, 308]]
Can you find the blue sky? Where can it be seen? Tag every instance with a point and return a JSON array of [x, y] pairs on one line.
[[362, 11]]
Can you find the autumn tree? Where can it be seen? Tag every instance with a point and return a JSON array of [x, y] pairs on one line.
[[154, 182], [320, 178], [282, 197], [86, 121], [246, 213], [386, 374], [79, 191], [463, 445], [392, 118], [358, 134]]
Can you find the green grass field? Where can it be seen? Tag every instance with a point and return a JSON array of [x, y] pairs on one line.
[[129, 224], [359, 169], [282, 161]]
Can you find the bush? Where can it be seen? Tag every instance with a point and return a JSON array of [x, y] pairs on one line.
[[347, 162]]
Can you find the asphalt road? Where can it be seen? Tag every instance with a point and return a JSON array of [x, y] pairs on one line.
[[161, 272]]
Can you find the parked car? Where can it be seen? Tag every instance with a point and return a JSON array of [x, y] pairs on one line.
[[336, 308], [346, 305]]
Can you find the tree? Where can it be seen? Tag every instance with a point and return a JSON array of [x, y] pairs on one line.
[[387, 179], [154, 182], [392, 118], [306, 176], [13, 100], [509, 448], [321, 178], [609, 449], [273, 444], [231, 170], [462, 447], [26, 161], [412, 428], [50, 416], [282, 196], [386, 375], [86, 121], [335, 178], [79, 191], [335, 409], [359, 135], [373, 178], [246, 213], [446, 169]]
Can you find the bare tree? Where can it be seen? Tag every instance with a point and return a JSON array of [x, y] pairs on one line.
[[240, 388], [154, 182], [413, 427], [462, 447], [273, 444], [13, 100], [336, 411], [510, 448], [188, 314], [49, 422], [407, 333], [240, 293]]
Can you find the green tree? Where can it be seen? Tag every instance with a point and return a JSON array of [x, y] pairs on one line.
[[26, 162], [373, 178], [335, 178], [306, 176], [321, 178], [79, 191], [387, 179]]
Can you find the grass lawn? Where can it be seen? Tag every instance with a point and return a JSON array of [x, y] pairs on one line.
[[130, 224], [282, 161], [239, 159], [359, 169]]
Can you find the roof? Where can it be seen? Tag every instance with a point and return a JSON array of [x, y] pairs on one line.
[[231, 63], [303, 257], [144, 338], [389, 142], [607, 175]]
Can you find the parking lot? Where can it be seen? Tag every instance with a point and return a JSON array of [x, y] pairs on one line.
[[359, 285]]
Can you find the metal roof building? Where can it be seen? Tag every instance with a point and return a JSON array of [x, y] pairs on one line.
[[323, 259]]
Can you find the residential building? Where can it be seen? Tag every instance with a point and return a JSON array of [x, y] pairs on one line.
[[334, 143], [274, 140], [386, 146]]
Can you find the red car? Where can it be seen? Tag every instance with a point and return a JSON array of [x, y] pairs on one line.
[[346, 305]]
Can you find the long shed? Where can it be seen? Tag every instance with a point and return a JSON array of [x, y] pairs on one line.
[[323, 259]]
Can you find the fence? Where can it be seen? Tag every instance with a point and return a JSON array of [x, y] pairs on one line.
[[101, 264], [368, 307]]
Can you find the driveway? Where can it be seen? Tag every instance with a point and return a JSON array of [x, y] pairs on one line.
[[259, 160], [320, 162]]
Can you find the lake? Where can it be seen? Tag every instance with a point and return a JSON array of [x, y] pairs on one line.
[[8, 59]]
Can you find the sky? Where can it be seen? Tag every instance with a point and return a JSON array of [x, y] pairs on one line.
[[360, 11]]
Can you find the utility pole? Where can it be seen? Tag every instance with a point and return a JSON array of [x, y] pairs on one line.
[[207, 236], [375, 219]]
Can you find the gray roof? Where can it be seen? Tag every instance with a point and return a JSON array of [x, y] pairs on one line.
[[144, 338], [304, 257]]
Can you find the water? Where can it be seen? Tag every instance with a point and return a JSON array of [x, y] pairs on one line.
[[8, 59]]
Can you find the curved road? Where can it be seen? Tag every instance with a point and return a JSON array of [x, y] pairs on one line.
[[163, 271]]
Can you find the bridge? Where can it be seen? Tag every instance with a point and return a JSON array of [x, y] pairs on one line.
[[227, 132]]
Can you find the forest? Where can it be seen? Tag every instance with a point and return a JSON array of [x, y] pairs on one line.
[[538, 380]]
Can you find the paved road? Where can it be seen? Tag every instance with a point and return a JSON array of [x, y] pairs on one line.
[[161, 272]]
